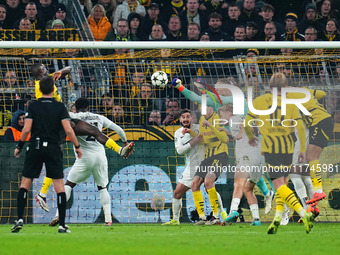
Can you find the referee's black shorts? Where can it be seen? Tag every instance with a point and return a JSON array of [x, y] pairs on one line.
[[51, 155], [320, 133]]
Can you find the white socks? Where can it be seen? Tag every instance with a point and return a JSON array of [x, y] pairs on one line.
[[176, 208], [105, 200], [234, 204], [300, 188], [255, 211], [309, 185], [220, 203]]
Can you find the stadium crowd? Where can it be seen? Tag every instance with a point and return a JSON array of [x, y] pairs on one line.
[[214, 20], [132, 100]]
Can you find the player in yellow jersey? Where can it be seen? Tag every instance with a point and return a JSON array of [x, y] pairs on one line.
[[39, 71], [320, 130], [80, 127], [215, 158], [277, 146]]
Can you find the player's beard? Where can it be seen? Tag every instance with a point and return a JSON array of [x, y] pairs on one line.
[[186, 125]]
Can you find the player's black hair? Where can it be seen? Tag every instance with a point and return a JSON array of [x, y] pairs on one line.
[[35, 70], [46, 85], [185, 111], [82, 104]]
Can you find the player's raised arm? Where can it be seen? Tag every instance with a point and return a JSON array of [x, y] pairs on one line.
[[192, 96], [113, 126], [61, 73], [221, 135], [248, 129]]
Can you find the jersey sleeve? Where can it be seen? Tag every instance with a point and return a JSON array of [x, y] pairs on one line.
[[318, 94], [192, 96], [73, 115], [64, 113], [181, 148], [29, 114], [109, 124]]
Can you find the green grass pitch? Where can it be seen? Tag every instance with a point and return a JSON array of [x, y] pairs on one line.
[[184, 239]]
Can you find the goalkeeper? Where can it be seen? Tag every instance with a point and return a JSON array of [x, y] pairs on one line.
[[213, 101]]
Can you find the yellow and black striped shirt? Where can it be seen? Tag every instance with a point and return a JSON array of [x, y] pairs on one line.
[[215, 141], [318, 112], [276, 138]]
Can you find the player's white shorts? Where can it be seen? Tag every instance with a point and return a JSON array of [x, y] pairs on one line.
[[187, 177], [84, 167], [251, 163], [297, 149]]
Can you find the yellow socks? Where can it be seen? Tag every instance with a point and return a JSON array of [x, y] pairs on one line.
[[279, 204], [314, 166], [199, 203], [46, 185], [290, 199], [213, 201], [112, 145]]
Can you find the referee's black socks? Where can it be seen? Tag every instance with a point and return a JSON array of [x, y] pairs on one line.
[[21, 200], [61, 198]]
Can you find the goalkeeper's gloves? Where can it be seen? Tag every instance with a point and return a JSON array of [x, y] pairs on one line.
[[177, 83]]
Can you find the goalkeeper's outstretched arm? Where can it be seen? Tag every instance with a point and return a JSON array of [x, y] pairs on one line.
[[192, 96]]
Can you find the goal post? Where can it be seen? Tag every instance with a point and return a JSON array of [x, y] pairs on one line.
[[119, 87]]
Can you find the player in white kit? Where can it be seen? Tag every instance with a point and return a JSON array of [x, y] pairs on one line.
[[186, 145], [94, 159], [248, 168]]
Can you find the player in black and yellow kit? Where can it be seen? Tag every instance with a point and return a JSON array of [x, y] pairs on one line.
[[320, 126], [80, 127], [215, 158], [278, 146]]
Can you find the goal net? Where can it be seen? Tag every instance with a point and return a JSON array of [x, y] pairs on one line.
[[119, 87]]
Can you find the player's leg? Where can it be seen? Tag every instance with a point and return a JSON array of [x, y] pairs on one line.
[[318, 139], [177, 203], [286, 195], [221, 210], [267, 194], [313, 156], [105, 200], [25, 185], [41, 196], [198, 199], [99, 167], [61, 203], [84, 128], [68, 190], [278, 166], [299, 185], [239, 181], [252, 201], [209, 183]]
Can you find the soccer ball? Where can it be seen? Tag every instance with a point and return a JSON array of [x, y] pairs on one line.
[[159, 79]]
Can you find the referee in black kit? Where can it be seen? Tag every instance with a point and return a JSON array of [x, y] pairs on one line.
[[45, 119]]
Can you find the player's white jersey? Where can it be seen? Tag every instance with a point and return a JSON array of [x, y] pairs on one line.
[[247, 156], [242, 146], [194, 155], [88, 143]]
